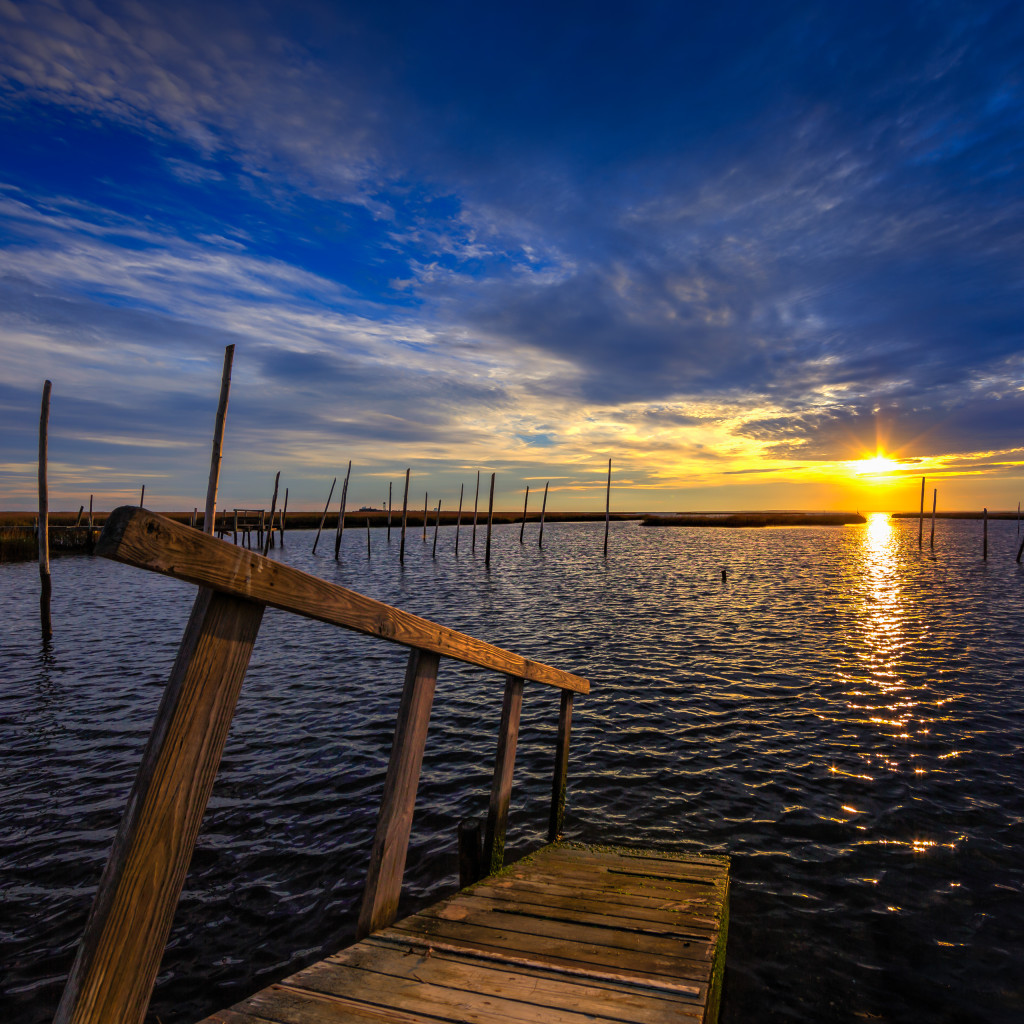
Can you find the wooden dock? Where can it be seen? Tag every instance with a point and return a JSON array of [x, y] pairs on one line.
[[570, 934]]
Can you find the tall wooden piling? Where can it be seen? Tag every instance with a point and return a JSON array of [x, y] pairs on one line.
[[458, 521], [323, 518], [543, 509], [78, 521], [405, 510], [920, 519], [935, 498], [607, 507], [984, 534], [142, 496], [273, 508], [476, 503], [341, 512], [90, 512], [389, 511], [218, 441], [490, 520], [437, 522], [522, 526], [45, 586]]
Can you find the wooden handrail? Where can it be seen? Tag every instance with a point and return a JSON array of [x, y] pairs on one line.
[[144, 539]]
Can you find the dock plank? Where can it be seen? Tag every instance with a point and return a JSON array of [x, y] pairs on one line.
[[569, 935]]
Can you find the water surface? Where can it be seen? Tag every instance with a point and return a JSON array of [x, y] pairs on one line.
[[842, 716]]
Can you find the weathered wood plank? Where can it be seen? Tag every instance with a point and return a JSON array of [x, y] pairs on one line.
[[391, 842], [124, 938], [149, 541], [504, 765]]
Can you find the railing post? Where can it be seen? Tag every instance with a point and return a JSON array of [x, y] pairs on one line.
[[391, 842], [501, 785], [120, 952], [561, 772]]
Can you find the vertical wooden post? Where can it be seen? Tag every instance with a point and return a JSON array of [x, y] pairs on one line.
[[43, 530], [523, 526], [426, 498], [607, 507], [367, 536], [389, 511], [218, 441], [935, 498], [920, 519], [323, 518], [391, 841], [437, 522], [984, 534], [490, 519], [341, 511], [561, 773], [142, 496], [90, 512], [543, 509], [124, 939], [284, 515], [501, 784], [476, 503], [405, 512], [78, 521], [273, 509], [458, 521]]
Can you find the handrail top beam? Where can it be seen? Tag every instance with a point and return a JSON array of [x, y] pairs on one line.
[[146, 540]]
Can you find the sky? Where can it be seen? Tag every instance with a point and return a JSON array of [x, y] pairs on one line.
[[737, 248]]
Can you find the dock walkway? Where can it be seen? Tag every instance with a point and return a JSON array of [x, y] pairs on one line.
[[570, 934]]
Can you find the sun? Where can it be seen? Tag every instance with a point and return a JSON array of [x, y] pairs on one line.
[[876, 465]]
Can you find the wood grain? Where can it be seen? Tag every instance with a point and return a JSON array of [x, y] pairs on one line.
[[124, 938], [560, 775], [149, 541], [504, 765]]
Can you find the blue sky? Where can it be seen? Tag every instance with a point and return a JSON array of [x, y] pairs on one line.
[[733, 248]]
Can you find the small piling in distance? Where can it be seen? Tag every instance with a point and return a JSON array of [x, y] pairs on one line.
[[523, 525], [45, 586], [405, 510], [90, 513], [218, 441], [273, 508], [389, 511], [984, 534], [426, 498], [78, 521], [935, 498], [920, 519], [142, 496], [437, 522], [341, 512], [323, 518], [476, 502], [607, 507], [543, 509], [367, 536], [458, 521], [490, 519]]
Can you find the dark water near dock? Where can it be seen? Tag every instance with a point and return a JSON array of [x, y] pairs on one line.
[[844, 716]]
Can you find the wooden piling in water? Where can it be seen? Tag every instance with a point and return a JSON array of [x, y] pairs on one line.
[[367, 536], [522, 526], [607, 507], [323, 518], [142, 496], [284, 515], [543, 509], [984, 534], [45, 585], [490, 519], [210, 512], [920, 519], [405, 510], [476, 502], [437, 522], [90, 512], [341, 512], [560, 774], [273, 508], [458, 521], [935, 498], [426, 498], [389, 511]]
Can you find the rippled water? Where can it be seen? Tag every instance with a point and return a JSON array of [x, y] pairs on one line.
[[843, 716]]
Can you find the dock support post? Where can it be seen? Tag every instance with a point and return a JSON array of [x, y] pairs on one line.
[[561, 773], [471, 852], [501, 784], [120, 952], [391, 841], [45, 585]]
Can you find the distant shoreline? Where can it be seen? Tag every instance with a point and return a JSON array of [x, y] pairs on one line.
[[757, 519]]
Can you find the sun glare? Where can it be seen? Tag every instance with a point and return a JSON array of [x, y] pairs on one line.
[[877, 465]]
